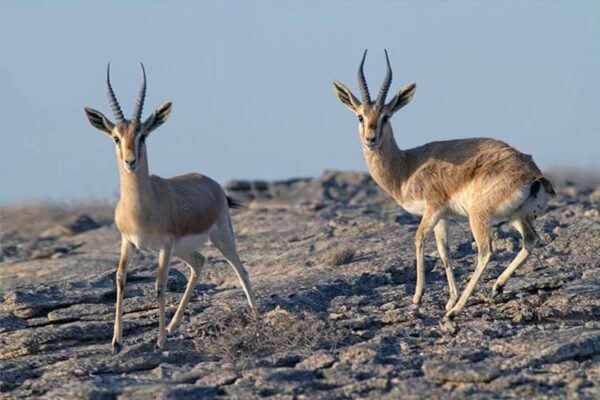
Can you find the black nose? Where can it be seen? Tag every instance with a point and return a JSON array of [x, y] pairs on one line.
[[130, 162], [371, 140]]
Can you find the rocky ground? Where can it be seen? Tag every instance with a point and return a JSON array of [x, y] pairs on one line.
[[332, 262]]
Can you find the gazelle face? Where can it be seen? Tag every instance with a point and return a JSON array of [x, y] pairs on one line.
[[373, 117], [129, 141], [129, 136], [372, 123]]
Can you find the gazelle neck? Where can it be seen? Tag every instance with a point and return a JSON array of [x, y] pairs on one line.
[[386, 164], [136, 186]]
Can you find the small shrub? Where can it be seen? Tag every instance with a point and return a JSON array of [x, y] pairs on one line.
[[237, 335], [340, 256]]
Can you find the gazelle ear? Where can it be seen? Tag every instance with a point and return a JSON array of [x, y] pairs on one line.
[[158, 117], [402, 98], [98, 120], [345, 96]]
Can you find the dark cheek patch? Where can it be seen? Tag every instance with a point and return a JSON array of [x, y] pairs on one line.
[[139, 148]]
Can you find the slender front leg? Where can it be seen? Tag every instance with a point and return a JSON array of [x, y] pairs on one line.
[[440, 231], [195, 261], [428, 220], [164, 257], [121, 278]]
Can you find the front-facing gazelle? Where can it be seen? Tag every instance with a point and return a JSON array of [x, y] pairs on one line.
[[173, 216], [485, 180]]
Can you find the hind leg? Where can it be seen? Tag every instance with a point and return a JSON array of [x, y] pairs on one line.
[[481, 232], [530, 239], [440, 232], [223, 239], [196, 262]]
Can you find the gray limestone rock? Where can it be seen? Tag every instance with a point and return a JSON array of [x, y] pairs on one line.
[[332, 262], [463, 372]]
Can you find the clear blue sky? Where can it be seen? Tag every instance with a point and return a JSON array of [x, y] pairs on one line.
[[251, 84]]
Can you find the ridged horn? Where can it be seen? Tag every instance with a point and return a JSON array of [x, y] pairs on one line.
[[112, 99], [362, 82], [139, 103], [387, 81]]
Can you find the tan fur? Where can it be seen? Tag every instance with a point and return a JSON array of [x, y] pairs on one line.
[[485, 180], [173, 216], [179, 206], [435, 171], [150, 205]]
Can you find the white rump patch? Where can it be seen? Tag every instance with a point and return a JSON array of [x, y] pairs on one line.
[[520, 204], [508, 207]]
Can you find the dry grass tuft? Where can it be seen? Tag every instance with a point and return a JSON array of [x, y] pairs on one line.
[[237, 335], [340, 256]]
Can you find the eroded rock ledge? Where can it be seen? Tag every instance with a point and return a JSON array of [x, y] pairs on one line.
[[332, 260]]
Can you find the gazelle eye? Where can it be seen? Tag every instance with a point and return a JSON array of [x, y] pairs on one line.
[[360, 118], [385, 119], [116, 139], [143, 139]]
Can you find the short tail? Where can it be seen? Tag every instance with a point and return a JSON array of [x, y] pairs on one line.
[[539, 182], [233, 203]]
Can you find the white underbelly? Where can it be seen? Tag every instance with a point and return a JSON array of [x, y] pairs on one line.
[[181, 246], [187, 244], [519, 204], [148, 242], [414, 207], [457, 206], [460, 202]]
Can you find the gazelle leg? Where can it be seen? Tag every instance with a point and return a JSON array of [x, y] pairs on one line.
[[481, 232], [428, 220], [164, 258], [530, 239], [242, 274], [196, 262], [223, 239], [440, 231], [121, 278]]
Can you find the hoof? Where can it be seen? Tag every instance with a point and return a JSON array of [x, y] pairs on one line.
[[496, 290], [116, 348], [171, 330], [159, 345], [416, 299], [451, 303], [451, 314]]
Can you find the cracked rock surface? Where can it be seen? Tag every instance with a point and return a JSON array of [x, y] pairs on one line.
[[332, 262]]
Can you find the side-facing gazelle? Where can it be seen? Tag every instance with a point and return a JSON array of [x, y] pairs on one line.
[[173, 216], [485, 180]]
